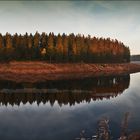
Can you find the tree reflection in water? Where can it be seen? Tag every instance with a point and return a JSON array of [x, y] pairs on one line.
[[63, 91]]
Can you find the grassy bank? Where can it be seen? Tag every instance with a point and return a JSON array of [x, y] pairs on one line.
[[33, 71]]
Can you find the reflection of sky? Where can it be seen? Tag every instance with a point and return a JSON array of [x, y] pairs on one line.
[[115, 19], [46, 122]]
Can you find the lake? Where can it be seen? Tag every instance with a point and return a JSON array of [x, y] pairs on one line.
[[60, 110]]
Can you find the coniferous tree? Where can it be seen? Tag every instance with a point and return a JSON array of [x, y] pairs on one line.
[[36, 40], [30, 41], [59, 48], [8, 40], [1, 41], [1, 48], [50, 47], [65, 47]]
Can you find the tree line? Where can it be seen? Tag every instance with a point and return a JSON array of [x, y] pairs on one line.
[[62, 48]]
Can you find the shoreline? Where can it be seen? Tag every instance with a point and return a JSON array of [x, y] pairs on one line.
[[38, 71]]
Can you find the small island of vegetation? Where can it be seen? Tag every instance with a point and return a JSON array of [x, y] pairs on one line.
[[40, 57]]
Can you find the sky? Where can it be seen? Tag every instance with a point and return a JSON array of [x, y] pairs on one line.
[[115, 19]]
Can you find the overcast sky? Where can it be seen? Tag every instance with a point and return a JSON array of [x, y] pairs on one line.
[[115, 19]]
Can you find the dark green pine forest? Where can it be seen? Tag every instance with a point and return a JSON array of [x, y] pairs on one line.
[[62, 48]]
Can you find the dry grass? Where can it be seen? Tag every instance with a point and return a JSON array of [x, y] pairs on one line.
[[33, 71]]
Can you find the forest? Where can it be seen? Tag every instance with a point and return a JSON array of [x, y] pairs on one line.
[[62, 48]]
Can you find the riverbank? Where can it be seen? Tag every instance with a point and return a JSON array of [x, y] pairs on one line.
[[41, 71]]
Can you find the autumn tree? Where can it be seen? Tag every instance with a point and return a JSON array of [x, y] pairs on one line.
[[1, 48], [8, 41], [50, 47], [59, 48], [1, 41], [65, 47], [36, 40]]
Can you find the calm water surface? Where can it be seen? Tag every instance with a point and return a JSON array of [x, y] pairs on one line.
[[60, 110]]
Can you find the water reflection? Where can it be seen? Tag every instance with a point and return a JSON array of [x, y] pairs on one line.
[[64, 91]]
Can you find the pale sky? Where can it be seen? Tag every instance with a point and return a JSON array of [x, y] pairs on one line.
[[115, 19]]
